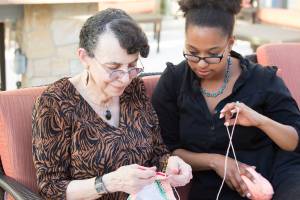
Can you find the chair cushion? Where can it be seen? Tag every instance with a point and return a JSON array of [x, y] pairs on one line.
[[15, 134], [150, 83], [286, 57]]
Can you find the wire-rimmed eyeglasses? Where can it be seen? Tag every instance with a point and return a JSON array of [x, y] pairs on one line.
[[133, 72]]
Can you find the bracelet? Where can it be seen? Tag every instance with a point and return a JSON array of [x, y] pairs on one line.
[[165, 164]]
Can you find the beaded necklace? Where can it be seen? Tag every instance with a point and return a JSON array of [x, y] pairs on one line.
[[225, 82]]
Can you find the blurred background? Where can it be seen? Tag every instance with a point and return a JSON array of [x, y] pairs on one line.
[[39, 38]]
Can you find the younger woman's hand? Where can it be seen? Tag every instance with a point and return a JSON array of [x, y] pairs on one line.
[[179, 172], [233, 177], [246, 117], [130, 179]]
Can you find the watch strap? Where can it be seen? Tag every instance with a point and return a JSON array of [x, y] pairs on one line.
[[99, 185]]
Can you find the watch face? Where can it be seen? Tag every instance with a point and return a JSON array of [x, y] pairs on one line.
[[99, 186]]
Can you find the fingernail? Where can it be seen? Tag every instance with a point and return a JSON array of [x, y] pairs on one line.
[[226, 123], [175, 171], [141, 167], [222, 110], [221, 115], [248, 195], [233, 111]]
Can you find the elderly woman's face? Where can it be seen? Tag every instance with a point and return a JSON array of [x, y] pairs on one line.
[[112, 68]]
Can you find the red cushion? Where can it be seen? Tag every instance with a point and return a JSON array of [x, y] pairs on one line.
[[286, 57], [15, 134]]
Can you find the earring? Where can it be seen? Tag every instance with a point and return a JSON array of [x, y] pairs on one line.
[[87, 77]]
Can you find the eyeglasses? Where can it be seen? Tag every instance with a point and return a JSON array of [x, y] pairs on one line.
[[133, 72], [208, 59]]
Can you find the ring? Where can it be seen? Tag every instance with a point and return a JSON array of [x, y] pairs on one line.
[[237, 102], [248, 195]]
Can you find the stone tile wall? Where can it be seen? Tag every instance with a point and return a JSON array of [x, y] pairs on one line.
[[49, 36]]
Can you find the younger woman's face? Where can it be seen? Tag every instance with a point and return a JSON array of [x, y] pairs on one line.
[[207, 42]]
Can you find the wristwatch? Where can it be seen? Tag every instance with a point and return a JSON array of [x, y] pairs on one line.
[[99, 185]]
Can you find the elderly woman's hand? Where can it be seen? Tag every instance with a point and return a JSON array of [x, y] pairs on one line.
[[130, 179], [179, 172]]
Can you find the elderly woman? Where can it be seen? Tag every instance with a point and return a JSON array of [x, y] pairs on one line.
[[96, 134]]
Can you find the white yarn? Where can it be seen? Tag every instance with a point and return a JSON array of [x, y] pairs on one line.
[[230, 135]]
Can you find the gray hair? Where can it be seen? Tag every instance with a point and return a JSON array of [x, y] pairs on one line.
[[126, 30]]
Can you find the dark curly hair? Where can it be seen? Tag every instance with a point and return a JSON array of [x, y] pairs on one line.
[[130, 35], [211, 13]]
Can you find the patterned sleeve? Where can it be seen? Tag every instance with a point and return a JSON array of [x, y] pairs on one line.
[[50, 148]]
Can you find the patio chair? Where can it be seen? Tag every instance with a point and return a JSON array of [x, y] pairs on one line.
[[286, 57], [18, 177], [249, 10]]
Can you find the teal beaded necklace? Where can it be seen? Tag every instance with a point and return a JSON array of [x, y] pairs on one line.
[[225, 82]]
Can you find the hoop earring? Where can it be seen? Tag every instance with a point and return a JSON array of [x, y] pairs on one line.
[[87, 77]]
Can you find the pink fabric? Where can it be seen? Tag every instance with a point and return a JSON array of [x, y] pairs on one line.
[[152, 191], [260, 188], [168, 189], [286, 57]]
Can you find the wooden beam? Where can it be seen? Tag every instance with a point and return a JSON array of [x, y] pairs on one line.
[[21, 2], [2, 57]]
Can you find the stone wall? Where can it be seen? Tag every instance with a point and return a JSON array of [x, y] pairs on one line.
[[48, 35]]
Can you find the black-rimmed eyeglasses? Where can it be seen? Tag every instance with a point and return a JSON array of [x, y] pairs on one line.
[[208, 59]]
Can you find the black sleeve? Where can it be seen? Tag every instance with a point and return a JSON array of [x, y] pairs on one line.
[[164, 100], [280, 105]]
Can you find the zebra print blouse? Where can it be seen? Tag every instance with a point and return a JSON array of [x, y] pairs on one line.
[[71, 142]]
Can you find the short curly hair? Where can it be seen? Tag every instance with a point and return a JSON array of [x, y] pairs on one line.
[[130, 35], [211, 13]]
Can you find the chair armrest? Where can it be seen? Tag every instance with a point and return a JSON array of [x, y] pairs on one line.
[[17, 190]]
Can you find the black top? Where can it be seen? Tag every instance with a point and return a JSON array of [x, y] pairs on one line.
[[186, 121]]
